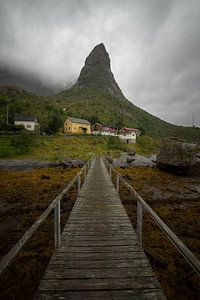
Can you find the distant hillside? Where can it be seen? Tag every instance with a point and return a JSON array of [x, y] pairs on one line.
[[99, 106], [95, 96], [19, 101], [26, 81]]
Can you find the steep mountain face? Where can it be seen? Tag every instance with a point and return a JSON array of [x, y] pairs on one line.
[[11, 77], [97, 73]]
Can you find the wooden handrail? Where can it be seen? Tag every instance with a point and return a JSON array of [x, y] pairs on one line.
[[55, 204], [181, 247]]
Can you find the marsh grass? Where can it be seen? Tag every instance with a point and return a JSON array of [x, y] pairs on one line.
[[175, 200], [24, 197]]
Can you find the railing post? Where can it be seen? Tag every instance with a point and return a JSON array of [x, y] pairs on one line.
[[117, 183], [79, 182], [57, 225], [84, 173], [139, 223], [110, 170]]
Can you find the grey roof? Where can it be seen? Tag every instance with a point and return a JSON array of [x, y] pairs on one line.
[[24, 118], [78, 120]]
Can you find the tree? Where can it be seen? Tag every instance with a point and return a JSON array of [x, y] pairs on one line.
[[55, 123]]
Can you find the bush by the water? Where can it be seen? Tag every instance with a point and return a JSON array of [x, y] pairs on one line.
[[23, 142], [114, 143]]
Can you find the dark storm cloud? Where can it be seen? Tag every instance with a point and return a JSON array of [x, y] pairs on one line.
[[154, 46]]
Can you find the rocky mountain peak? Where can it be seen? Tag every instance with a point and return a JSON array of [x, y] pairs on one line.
[[99, 56], [96, 72]]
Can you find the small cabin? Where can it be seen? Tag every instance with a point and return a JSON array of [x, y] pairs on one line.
[[77, 126], [99, 129], [29, 122]]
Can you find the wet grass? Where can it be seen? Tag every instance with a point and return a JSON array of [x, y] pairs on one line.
[[176, 200]]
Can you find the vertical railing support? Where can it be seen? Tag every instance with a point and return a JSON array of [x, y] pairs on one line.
[[84, 173], [79, 182], [57, 225], [139, 223], [117, 183], [110, 170]]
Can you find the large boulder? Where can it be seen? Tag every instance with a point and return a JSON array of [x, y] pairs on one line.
[[176, 156]]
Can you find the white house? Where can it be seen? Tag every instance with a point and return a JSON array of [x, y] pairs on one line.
[[128, 138], [29, 122]]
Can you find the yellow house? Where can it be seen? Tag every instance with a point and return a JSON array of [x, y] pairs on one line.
[[77, 126]]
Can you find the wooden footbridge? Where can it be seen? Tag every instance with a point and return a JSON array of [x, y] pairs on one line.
[[99, 255]]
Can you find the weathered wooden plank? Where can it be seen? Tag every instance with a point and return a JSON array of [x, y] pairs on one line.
[[101, 263], [99, 243], [97, 273], [100, 230], [98, 256], [153, 294], [94, 222], [98, 284], [94, 237], [97, 249]]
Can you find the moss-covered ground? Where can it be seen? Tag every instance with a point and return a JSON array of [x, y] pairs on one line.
[[24, 196], [177, 201]]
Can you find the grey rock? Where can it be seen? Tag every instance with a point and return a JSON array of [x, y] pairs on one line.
[[130, 160], [126, 160], [176, 156], [130, 153]]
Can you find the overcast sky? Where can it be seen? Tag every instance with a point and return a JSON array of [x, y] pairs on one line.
[[154, 46]]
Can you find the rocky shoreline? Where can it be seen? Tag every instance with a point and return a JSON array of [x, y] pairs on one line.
[[28, 164]]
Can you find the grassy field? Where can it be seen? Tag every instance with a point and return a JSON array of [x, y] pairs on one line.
[[58, 148]]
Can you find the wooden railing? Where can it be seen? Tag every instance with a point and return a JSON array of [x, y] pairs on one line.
[[141, 204], [55, 205]]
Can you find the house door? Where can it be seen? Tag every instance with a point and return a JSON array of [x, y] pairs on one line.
[[84, 130]]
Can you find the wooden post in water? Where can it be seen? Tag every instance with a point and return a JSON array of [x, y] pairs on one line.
[[139, 223], [57, 225], [117, 183]]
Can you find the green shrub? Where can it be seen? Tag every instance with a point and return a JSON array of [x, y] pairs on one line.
[[114, 143], [23, 142], [6, 151]]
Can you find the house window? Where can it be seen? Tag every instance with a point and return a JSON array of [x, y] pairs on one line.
[[74, 128], [69, 128], [28, 126]]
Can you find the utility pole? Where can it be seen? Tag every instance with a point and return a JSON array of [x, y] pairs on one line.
[[193, 125], [7, 115]]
